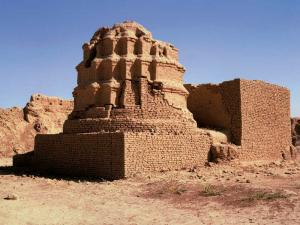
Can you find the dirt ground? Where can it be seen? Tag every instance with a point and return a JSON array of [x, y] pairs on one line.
[[235, 193]]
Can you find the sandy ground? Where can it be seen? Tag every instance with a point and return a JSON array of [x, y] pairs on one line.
[[220, 194]]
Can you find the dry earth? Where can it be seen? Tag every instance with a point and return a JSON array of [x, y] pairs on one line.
[[219, 194]]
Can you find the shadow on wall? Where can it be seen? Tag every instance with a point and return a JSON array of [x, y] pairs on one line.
[[206, 102], [247, 110]]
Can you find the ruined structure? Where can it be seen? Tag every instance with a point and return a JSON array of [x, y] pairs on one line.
[[41, 115], [130, 114], [253, 114]]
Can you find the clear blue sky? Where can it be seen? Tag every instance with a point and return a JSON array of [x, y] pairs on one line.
[[40, 41]]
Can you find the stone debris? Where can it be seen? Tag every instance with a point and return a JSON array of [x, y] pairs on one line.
[[11, 197], [223, 152]]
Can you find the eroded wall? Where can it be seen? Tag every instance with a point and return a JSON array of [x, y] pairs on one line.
[[257, 115], [217, 107], [207, 105], [41, 115], [126, 51]]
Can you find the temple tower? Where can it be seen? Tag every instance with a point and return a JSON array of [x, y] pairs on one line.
[[130, 113], [126, 81]]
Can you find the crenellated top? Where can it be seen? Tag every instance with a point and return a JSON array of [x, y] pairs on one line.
[[128, 40], [126, 51]]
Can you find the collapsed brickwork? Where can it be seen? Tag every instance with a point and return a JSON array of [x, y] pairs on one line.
[[130, 114], [254, 115]]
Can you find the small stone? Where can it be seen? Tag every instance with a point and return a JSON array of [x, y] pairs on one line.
[[11, 197], [247, 181], [289, 192], [209, 164]]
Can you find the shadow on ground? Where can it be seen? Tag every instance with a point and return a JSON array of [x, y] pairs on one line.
[[24, 171]]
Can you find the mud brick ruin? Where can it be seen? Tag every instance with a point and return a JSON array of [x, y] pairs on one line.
[[132, 114]]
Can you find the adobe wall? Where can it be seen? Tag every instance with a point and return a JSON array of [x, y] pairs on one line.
[[217, 107], [146, 152], [90, 155], [206, 103], [154, 114], [119, 155], [257, 115], [266, 128]]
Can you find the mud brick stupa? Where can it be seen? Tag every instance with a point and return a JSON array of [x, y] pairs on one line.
[[132, 113]]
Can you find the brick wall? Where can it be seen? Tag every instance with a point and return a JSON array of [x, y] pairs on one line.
[[154, 114], [145, 152], [99, 155], [265, 112], [118, 155], [256, 113]]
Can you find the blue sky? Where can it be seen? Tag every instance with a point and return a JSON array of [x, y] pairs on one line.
[[40, 41]]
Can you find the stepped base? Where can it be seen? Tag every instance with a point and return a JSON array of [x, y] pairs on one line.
[[117, 155]]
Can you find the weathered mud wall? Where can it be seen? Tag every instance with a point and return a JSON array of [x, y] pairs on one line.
[[207, 104], [256, 115], [217, 107], [18, 127]]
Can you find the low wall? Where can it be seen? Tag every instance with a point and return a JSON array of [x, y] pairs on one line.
[[117, 155], [146, 152], [90, 155]]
